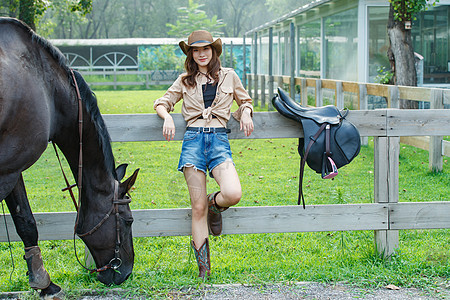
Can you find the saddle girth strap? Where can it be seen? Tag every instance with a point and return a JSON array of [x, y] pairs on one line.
[[312, 140]]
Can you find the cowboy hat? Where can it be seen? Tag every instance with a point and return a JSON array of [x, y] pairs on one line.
[[201, 38]]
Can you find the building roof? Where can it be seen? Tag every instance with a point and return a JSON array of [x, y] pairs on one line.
[[289, 15], [130, 41]]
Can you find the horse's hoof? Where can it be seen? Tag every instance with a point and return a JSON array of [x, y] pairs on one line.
[[52, 292]]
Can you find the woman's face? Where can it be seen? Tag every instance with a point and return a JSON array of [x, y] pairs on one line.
[[202, 56]]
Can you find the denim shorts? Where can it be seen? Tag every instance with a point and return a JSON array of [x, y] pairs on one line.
[[204, 150]]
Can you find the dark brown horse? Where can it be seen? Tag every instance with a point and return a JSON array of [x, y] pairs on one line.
[[38, 104]]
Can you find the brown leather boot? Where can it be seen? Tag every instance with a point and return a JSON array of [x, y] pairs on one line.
[[214, 215], [203, 259]]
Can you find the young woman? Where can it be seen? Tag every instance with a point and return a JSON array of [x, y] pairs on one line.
[[208, 91]]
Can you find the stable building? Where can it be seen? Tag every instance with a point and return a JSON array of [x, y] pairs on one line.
[[347, 40]]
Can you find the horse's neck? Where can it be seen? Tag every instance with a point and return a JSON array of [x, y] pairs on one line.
[[93, 166]]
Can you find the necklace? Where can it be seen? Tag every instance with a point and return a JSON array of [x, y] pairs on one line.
[[208, 79]]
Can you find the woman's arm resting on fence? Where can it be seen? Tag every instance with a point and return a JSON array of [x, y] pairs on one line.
[[169, 125], [246, 122]]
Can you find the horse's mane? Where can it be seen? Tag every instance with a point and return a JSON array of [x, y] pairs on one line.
[[90, 104], [88, 97]]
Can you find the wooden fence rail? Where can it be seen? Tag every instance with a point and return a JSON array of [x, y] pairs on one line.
[[147, 78], [437, 99], [386, 216]]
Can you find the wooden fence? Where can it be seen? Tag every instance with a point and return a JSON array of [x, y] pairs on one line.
[[386, 216], [261, 88], [147, 78]]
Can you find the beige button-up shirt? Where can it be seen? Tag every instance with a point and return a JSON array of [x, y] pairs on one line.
[[229, 88]]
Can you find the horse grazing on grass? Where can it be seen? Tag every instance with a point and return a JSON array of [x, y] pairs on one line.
[[39, 102]]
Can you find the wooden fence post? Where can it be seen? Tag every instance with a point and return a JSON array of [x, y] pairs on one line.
[[249, 86], [231, 55], [304, 92], [319, 97], [255, 68], [363, 105], [115, 80], [255, 90], [88, 258], [270, 83], [435, 158], [386, 171], [339, 95], [394, 97], [244, 61], [263, 91], [292, 61]]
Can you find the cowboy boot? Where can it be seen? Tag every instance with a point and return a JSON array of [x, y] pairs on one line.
[[37, 275], [214, 215], [203, 259]]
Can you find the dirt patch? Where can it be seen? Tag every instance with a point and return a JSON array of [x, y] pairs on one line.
[[301, 290], [306, 290]]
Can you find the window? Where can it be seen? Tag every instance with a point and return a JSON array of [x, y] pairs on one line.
[[309, 47], [430, 35], [341, 45], [378, 40]]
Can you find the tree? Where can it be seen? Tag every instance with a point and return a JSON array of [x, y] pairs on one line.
[[30, 11], [193, 18], [401, 52]]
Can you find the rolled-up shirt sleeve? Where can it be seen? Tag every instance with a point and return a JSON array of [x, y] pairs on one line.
[[241, 97], [172, 95]]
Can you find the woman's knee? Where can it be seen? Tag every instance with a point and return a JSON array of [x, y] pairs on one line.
[[232, 197], [199, 209]]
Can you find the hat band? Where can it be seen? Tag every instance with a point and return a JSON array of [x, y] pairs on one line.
[[201, 41]]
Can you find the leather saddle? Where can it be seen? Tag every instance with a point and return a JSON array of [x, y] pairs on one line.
[[330, 141]]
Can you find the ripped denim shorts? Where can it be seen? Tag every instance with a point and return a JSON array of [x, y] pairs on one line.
[[204, 149]]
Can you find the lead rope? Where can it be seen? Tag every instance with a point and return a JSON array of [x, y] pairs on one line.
[[69, 186], [9, 244]]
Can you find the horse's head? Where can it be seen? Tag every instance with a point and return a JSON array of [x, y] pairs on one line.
[[109, 236]]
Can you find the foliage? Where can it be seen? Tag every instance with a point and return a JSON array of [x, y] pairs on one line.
[[161, 58], [406, 9], [192, 18], [384, 76], [83, 6], [145, 18], [31, 11]]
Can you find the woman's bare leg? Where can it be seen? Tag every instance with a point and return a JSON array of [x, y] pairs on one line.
[[230, 187], [196, 182]]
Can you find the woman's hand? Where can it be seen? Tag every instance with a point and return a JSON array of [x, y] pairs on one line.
[[169, 125], [246, 122], [168, 128]]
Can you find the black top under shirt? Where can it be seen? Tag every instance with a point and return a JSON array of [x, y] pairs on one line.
[[209, 94]]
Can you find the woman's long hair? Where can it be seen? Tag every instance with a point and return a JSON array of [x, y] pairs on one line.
[[192, 68]]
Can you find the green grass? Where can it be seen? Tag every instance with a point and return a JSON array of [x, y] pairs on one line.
[[269, 175]]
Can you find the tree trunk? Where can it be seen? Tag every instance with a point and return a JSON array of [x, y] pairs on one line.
[[27, 10], [401, 56]]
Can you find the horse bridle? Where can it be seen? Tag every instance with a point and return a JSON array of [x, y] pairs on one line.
[[115, 262]]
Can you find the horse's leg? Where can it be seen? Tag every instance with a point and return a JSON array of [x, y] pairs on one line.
[[25, 224]]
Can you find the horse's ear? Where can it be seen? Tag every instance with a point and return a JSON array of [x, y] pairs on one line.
[[120, 171], [130, 181]]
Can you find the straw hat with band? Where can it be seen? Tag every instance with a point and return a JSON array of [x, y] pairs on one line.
[[201, 38]]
